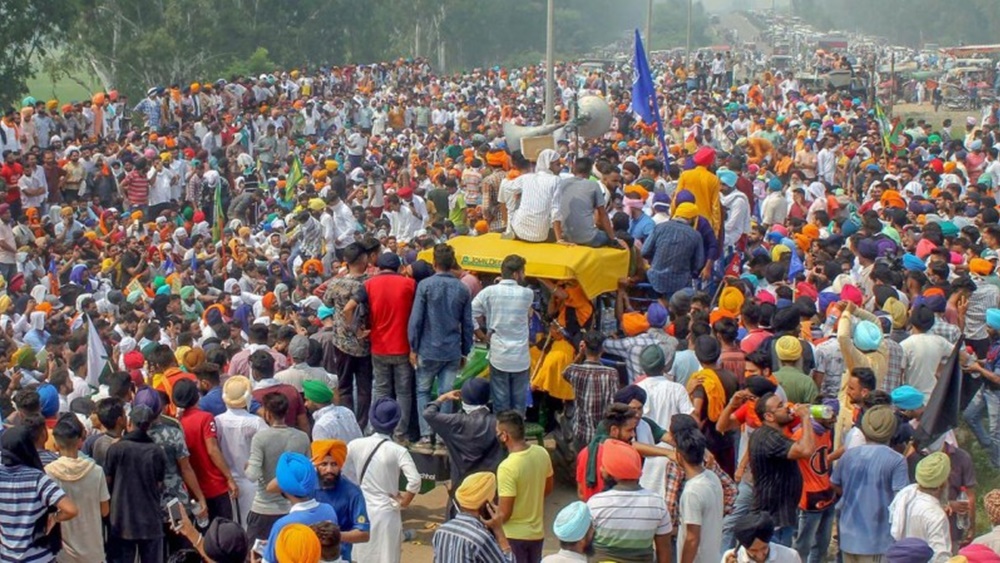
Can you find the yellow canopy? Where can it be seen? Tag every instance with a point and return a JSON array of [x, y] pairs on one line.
[[597, 270]]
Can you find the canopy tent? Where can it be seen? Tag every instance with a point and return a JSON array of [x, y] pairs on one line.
[[597, 270]]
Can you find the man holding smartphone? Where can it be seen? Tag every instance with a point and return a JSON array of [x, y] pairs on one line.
[[476, 533]]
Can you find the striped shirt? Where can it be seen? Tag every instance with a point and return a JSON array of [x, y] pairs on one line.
[[626, 520], [136, 188], [533, 218], [26, 494], [506, 307], [986, 296], [465, 539]]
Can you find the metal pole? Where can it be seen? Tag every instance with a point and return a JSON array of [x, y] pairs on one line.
[[690, 9], [892, 82], [649, 25], [550, 64]]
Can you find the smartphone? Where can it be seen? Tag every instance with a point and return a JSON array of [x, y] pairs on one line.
[[259, 547], [174, 509]]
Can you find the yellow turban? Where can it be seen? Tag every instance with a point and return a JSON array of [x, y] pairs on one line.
[[137, 215], [638, 190], [788, 348], [244, 231], [896, 310], [106, 264], [297, 543], [731, 300], [337, 449], [331, 165], [933, 470], [686, 210], [5, 303], [476, 490], [317, 204], [777, 251]]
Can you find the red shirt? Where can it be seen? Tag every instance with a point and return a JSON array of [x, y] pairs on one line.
[[136, 188], [390, 298], [11, 173], [582, 458], [295, 404], [198, 427]]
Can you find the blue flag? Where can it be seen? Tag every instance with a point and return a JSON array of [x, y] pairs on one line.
[[795, 267], [644, 94]]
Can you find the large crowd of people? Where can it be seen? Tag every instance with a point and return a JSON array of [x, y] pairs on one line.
[[231, 324]]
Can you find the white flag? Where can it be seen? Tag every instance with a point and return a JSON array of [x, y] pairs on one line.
[[97, 356]]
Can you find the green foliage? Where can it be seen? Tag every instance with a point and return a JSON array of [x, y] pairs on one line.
[[132, 45], [28, 28], [908, 22]]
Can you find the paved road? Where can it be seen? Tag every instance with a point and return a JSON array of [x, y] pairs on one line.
[[745, 30]]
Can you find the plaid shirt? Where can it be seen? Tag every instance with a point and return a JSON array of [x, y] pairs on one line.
[[675, 479], [630, 348], [943, 328], [594, 386], [896, 360], [986, 296], [491, 201]]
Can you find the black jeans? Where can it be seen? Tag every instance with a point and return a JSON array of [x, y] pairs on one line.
[[351, 370], [259, 525], [220, 507], [124, 551], [526, 551]]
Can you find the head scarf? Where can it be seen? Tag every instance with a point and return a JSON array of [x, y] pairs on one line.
[[545, 160], [17, 447], [933, 470], [476, 490], [621, 461], [337, 449], [225, 542]]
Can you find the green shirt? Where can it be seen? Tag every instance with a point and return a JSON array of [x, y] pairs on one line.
[[799, 387]]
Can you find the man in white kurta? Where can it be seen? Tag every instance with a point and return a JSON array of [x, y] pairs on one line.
[[375, 463]]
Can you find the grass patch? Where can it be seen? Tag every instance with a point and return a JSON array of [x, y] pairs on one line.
[[987, 477]]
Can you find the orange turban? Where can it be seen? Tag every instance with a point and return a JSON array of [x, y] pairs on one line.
[[496, 159], [638, 190], [482, 227], [980, 267], [297, 543], [468, 155], [891, 198], [811, 231], [314, 264], [269, 300], [337, 449], [931, 292], [634, 323], [719, 314], [621, 461], [44, 307]]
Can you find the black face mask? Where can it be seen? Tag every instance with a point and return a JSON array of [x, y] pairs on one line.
[[609, 483]]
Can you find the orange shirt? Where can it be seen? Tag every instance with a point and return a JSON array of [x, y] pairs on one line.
[[817, 493]]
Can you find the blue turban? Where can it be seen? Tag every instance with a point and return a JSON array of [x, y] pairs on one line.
[[49, 399], [324, 312], [912, 263], [630, 393], [867, 336], [573, 522], [909, 550], [476, 392], [826, 298], [774, 236], [935, 303], [849, 227], [296, 475], [656, 315], [907, 398], [993, 318], [683, 196], [148, 397], [384, 414], [774, 184], [727, 177]]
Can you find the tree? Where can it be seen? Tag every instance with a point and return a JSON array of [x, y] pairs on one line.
[[29, 29]]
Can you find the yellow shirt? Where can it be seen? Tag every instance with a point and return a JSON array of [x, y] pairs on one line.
[[704, 185], [522, 476]]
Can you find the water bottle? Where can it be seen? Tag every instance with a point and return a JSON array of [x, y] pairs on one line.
[[962, 520], [201, 519], [824, 412]]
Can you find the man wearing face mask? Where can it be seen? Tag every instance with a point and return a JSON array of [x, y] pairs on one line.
[[754, 532], [341, 494]]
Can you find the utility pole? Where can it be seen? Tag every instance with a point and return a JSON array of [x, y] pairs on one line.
[[690, 10], [649, 25], [550, 65]]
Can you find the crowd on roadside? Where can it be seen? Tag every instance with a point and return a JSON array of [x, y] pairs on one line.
[[264, 263]]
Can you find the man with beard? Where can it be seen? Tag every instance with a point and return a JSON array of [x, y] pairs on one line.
[[341, 494], [754, 532], [575, 530], [774, 461]]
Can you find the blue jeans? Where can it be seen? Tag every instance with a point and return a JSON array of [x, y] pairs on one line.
[[741, 507], [813, 538], [509, 390], [429, 371], [986, 400], [600, 240], [783, 535]]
